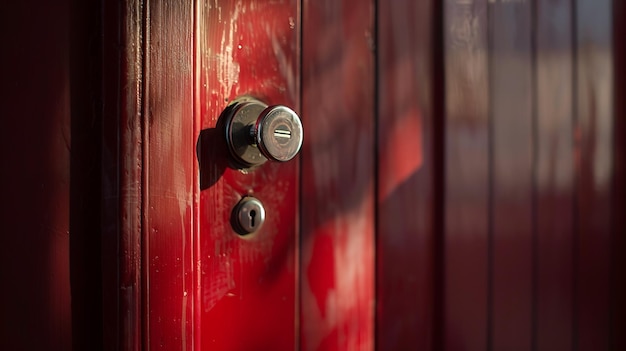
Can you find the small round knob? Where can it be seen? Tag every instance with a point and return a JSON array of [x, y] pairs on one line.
[[256, 133], [278, 133]]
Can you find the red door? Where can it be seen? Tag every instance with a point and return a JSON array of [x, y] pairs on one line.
[[460, 187], [305, 279], [453, 190]]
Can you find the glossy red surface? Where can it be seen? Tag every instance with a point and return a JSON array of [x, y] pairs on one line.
[[406, 157], [461, 184], [338, 176], [246, 286], [481, 178], [169, 177]]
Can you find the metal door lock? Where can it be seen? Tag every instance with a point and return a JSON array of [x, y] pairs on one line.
[[248, 216], [256, 132]]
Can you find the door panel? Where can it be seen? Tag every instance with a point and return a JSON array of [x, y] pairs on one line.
[[511, 184], [554, 181], [454, 189], [466, 210], [338, 176], [618, 239], [406, 182], [170, 180], [246, 286], [593, 140]]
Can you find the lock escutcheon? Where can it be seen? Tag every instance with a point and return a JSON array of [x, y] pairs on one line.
[[248, 216]]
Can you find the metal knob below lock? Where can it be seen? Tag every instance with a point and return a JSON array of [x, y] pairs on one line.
[[248, 216], [256, 132]]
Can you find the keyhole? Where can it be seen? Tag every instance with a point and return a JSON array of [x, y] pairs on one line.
[[252, 215]]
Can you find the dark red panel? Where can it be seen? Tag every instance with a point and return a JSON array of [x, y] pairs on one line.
[[246, 286], [554, 176], [168, 175], [85, 174], [405, 237], [511, 109], [122, 71], [466, 176], [618, 254], [337, 257], [35, 144], [594, 158]]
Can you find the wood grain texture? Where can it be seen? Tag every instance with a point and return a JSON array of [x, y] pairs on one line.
[[122, 164], [511, 167], [337, 211], [467, 177], [246, 286], [405, 231], [168, 192]]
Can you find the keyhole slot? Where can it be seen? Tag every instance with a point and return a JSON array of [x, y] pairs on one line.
[[248, 216], [252, 215]]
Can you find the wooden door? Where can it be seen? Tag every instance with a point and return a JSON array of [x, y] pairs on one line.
[[456, 188]]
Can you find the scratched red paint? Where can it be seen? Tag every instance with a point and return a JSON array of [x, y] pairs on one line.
[[247, 286]]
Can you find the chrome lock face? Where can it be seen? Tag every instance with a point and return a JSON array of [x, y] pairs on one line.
[[256, 132], [248, 216]]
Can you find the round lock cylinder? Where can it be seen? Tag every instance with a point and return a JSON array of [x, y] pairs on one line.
[[256, 132], [248, 216], [278, 133]]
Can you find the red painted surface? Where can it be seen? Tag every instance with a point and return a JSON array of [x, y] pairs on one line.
[[511, 249], [246, 286], [461, 183], [338, 176], [122, 167], [168, 177], [529, 110], [467, 179], [406, 233]]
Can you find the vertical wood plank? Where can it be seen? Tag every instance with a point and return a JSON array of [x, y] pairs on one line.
[[405, 232], [169, 144], [594, 106], [122, 158], [246, 285], [618, 253], [467, 176], [337, 257], [511, 109], [554, 176]]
